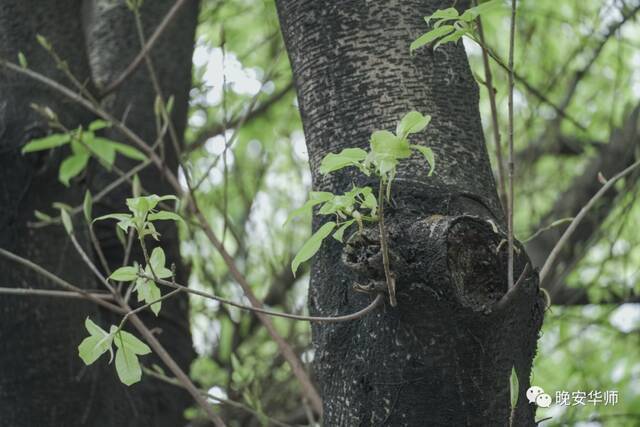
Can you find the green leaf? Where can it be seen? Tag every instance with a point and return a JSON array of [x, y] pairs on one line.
[[347, 157], [428, 154], [100, 148], [130, 342], [164, 215], [127, 366], [312, 245], [42, 216], [66, 221], [514, 387], [43, 42], [387, 149], [124, 220], [118, 216], [72, 166], [482, 9], [98, 124], [125, 274], [338, 235], [141, 205], [22, 60], [127, 150], [149, 292], [412, 122], [87, 205], [430, 36], [453, 37], [51, 141], [136, 186], [157, 258], [448, 13], [315, 198], [92, 347]]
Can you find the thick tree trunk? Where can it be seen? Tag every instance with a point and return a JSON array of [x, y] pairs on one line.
[[443, 356], [43, 382]]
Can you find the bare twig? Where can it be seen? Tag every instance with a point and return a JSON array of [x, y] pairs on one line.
[[146, 48], [494, 113], [321, 319], [576, 221], [59, 281], [384, 247], [511, 164], [54, 294]]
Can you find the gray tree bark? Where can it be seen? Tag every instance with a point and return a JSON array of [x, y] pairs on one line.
[[43, 382], [443, 356]]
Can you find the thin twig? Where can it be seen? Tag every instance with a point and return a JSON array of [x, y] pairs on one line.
[[494, 113], [544, 272], [511, 163], [384, 247], [54, 294], [321, 319], [59, 281], [146, 48]]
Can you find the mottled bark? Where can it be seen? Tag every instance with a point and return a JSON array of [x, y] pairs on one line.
[[444, 355], [42, 379]]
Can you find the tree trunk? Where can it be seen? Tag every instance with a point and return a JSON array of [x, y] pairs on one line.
[[443, 356], [43, 382]]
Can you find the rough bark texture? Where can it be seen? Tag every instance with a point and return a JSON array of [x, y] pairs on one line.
[[43, 382], [444, 355]]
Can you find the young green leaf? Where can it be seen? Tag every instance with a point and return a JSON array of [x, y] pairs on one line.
[[453, 37], [66, 221], [42, 216], [430, 36], [51, 141], [98, 124], [87, 206], [347, 157], [72, 166], [338, 235], [100, 149], [312, 245], [43, 42], [514, 387], [149, 292], [387, 149], [315, 198], [157, 261], [440, 14], [92, 347], [124, 274], [428, 154], [165, 215], [124, 220], [127, 150], [130, 342], [127, 366], [412, 122], [136, 186], [482, 9], [22, 60]]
